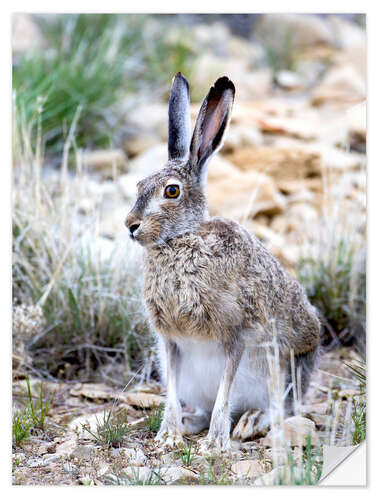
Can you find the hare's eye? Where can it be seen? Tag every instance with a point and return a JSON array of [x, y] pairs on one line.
[[172, 191]]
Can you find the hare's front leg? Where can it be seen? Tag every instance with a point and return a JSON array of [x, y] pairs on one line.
[[219, 432], [169, 434]]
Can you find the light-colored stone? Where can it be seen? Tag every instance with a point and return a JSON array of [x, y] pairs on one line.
[[297, 30], [83, 452], [342, 84], [281, 163], [140, 143], [142, 399], [293, 432], [91, 421], [66, 448], [69, 467], [289, 80], [283, 475], [240, 136], [347, 34], [249, 469], [174, 474], [244, 195], [138, 473], [151, 118], [150, 161], [133, 456]]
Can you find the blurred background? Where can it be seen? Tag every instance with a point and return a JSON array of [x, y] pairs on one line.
[[90, 96]]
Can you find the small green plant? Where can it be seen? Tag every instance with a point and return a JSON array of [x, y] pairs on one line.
[[358, 370], [109, 431], [21, 425], [187, 454], [215, 474], [153, 419], [282, 56], [39, 408]]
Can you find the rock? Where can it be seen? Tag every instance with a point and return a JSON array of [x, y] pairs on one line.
[[142, 399], [35, 462], [289, 80], [66, 448], [83, 452], [282, 164], [110, 162], [133, 456], [138, 473], [296, 431], [26, 35], [249, 85], [243, 195], [49, 458], [249, 469], [175, 474], [94, 391], [240, 136], [357, 127], [282, 475], [347, 34], [150, 161], [139, 143], [341, 84], [91, 421], [151, 118], [336, 159], [297, 30], [70, 468]]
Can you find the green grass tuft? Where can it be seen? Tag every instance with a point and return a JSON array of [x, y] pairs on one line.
[[109, 431], [335, 282]]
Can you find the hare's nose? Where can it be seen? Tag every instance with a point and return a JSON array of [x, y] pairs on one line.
[[133, 228]]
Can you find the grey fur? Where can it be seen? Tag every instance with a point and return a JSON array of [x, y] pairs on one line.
[[207, 278]]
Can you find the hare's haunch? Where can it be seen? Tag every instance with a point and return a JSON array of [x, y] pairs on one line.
[[226, 313]]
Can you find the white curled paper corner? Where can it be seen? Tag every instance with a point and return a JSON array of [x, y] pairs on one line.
[[344, 466]]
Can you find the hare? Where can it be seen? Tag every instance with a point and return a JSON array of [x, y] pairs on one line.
[[214, 294]]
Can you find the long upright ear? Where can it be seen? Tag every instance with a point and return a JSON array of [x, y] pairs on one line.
[[212, 122], [179, 118]]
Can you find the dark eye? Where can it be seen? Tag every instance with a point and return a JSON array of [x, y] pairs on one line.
[[172, 191]]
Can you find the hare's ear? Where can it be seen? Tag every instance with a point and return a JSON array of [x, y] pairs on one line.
[[179, 118], [212, 122]]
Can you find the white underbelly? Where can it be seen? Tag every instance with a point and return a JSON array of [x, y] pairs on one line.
[[201, 367]]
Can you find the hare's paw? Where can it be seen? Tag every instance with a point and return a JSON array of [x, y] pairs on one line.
[[214, 444], [169, 438], [252, 423]]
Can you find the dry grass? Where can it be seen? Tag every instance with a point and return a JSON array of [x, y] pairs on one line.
[[92, 307]]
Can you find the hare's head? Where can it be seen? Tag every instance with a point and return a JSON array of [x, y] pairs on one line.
[[173, 200]]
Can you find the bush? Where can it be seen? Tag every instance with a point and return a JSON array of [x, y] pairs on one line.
[[335, 282], [93, 62], [92, 306]]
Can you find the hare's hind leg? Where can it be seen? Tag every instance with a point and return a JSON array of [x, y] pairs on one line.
[[253, 423]]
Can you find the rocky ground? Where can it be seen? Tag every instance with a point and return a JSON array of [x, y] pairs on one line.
[[66, 453]]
